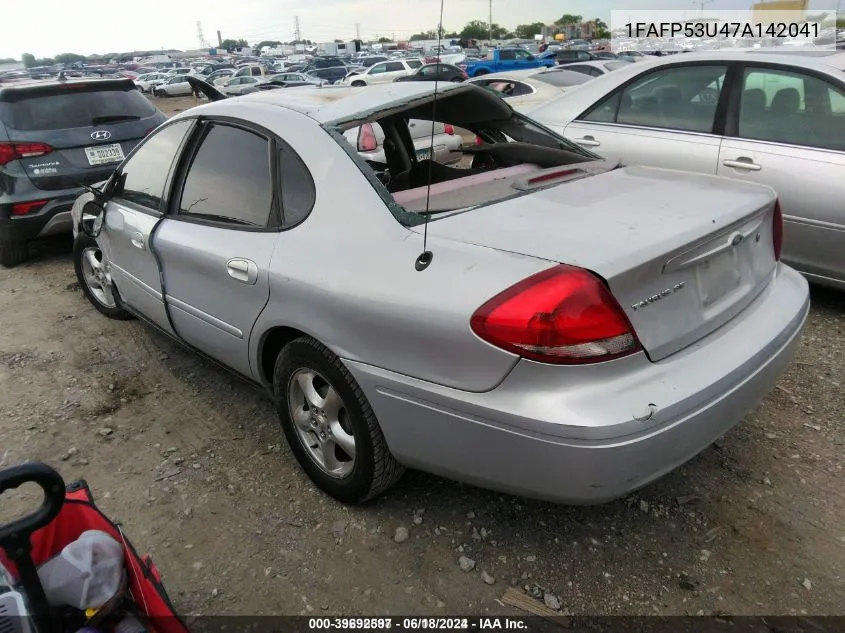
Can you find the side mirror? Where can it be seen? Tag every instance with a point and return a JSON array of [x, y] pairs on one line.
[[92, 219]]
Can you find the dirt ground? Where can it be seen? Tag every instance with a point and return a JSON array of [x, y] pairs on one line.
[[193, 463]]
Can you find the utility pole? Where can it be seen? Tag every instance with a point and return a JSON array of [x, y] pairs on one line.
[[701, 4], [357, 31], [297, 33], [490, 23], [201, 36], [219, 39]]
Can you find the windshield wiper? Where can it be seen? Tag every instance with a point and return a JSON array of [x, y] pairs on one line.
[[110, 118]]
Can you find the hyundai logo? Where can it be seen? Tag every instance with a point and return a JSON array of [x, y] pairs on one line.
[[101, 135]]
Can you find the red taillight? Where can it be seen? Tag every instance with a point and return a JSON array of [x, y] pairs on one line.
[[464, 75], [551, 176], [563, 315], [25, 208], [367, 138], [478, 141], [449, 129], [12, 151], [777, 230]]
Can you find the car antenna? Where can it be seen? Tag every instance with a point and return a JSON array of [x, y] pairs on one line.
[[424, 260]]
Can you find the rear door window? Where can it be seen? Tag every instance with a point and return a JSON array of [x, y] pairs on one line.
[[75, 109], [229, 179], [781, 106], [393, 67]]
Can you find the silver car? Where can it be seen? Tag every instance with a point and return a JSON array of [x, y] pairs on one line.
[[771, 118], [535, 320], [173, 86], [526, 89]]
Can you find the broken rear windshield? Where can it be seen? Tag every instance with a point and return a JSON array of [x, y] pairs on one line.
[[481, 152]]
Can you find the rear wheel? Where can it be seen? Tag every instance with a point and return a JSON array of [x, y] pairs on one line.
[[358, 84], [95, 280], [330, 425], [13, 252], [481, 72]]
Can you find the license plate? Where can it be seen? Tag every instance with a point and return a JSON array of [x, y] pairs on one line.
[[424, 154], [104, 154], [718, 276]]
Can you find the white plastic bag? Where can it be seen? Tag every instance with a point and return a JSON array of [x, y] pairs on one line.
[[87, 574]]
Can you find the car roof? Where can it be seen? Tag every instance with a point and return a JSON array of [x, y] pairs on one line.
[[819, 59], [532, 77], [337, 105], [514, 75], [600, 63]]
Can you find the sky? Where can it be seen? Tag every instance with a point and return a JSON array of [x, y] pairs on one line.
[[48, 27]]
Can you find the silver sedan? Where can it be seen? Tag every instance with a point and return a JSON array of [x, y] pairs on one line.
[[767, 118], [535, 319]]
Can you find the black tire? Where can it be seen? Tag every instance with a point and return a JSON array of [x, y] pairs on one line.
[[358, 84], [13, 252], [481, 72], [116, 312], [375, 469], [457, 80]]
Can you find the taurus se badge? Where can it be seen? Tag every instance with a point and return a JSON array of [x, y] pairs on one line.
[[660, 295]]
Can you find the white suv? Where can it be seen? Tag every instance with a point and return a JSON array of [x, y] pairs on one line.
[[383, 72]]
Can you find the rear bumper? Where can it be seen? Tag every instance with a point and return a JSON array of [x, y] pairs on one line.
[[571, 434], [51, 219]]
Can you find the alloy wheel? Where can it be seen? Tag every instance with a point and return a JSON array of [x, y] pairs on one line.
[[97, 278], [322, 422]]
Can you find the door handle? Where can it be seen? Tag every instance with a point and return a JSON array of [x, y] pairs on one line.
[[742, 163], [588, 141], [137, 240], [242, 270]]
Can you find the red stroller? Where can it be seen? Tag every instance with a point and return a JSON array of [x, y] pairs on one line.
[[64, 515]]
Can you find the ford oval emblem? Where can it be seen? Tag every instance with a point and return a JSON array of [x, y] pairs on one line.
[[101, 135]]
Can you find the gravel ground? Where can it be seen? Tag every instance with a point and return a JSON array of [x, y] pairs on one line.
[[193, 462]]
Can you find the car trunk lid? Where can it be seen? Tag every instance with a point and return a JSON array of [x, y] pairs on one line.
[[682, 253]]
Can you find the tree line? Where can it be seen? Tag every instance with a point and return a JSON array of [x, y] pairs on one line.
[[481, 30]]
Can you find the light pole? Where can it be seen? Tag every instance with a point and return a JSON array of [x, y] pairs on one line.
[[490, 23]]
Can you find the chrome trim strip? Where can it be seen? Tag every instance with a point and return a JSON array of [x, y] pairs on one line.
[[205, 317], [148, 289]]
